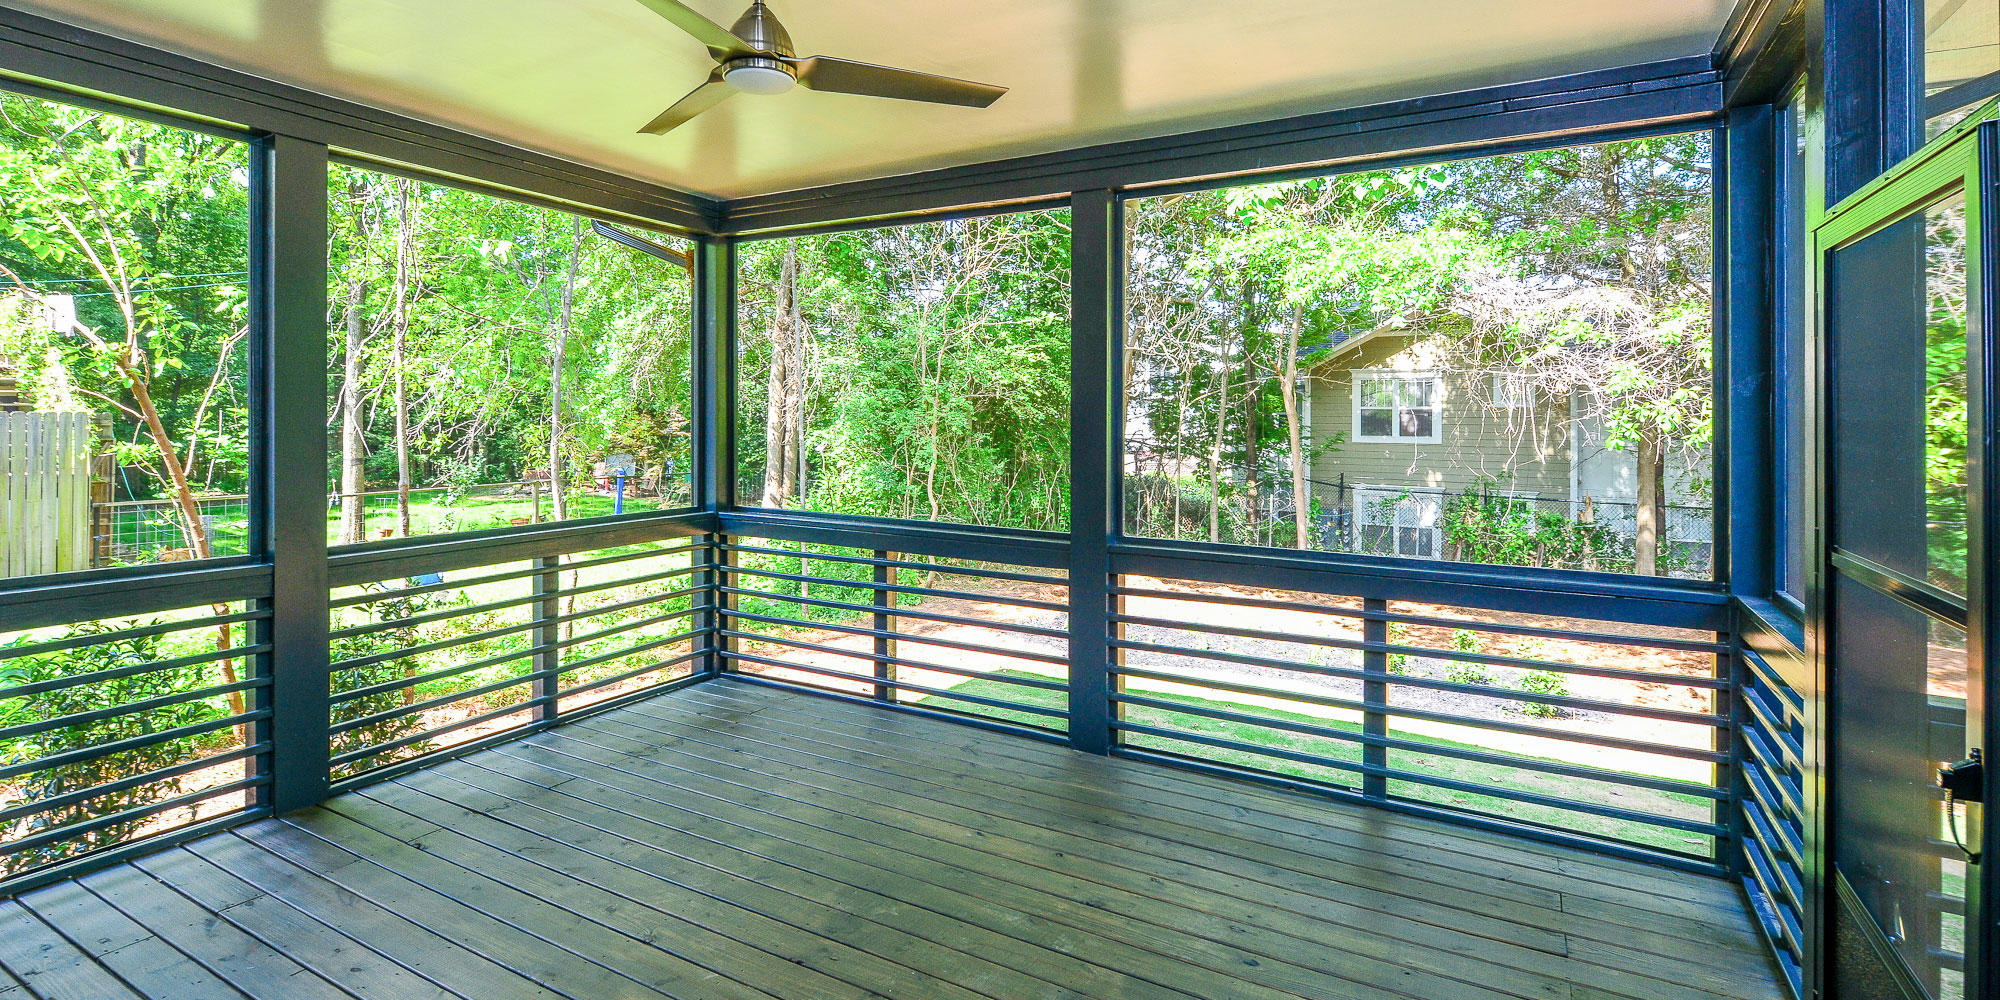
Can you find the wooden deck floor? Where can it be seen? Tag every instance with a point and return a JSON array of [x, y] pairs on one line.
[[729, 842]]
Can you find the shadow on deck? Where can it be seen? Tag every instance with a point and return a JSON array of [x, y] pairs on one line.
[[730, 841]]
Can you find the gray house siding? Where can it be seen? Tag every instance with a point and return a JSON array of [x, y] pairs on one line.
[[1528, 447]]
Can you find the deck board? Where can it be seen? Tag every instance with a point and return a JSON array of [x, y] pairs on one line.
[[1319, 912], [734, 842]]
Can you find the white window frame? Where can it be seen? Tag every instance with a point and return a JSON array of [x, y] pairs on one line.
[[1513, 391], [1358, 376], [1424, 512]]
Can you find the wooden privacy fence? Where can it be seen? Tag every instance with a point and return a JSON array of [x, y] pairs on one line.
[[45, 493]]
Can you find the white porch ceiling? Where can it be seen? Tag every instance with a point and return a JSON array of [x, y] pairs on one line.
[[576, 78]]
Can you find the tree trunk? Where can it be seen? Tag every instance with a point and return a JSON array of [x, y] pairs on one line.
[[779, 462], [1651, 459], [353, 471], [1180, 447], [1289, 390], [795, 403], [405, 245], [795, 399], [558, 354], [1215, 454], [1253, 398], [170, 463]]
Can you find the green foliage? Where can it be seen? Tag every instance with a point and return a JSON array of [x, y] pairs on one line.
[[1586, 270], [492, 288], [114, 653], [1484, 526], [393, 610], [936, 381], [1399, 663], [1946, 403], [145, 226], [1464, 640], [1544, 682]]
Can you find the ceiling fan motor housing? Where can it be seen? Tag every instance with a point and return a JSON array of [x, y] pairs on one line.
[[759, 29], [761, 74]]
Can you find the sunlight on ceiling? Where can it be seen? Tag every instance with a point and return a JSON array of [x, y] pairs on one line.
[[577, 78]]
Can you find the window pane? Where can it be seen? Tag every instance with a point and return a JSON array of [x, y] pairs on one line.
[[117, 233], [917, 371], [1946, 413], [497, 363], [1418, 423], [1417, 392], [1901, 295], [1261, 323], [1960, 59]]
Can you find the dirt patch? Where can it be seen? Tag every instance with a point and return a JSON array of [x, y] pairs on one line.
[[1001, 644]]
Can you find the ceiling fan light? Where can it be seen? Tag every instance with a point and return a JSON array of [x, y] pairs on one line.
[[758, 79]]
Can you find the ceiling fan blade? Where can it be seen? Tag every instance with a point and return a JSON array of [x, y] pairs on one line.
[[701, 99], [721, 43], [844, 76]]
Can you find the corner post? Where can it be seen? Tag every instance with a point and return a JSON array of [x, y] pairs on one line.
[[885, 626], [1374, 697], [288, 233], [545, 585], [1096, 282], [1746, 526], [714, 432]]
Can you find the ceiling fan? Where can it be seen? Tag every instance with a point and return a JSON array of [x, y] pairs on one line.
[[755, 56]]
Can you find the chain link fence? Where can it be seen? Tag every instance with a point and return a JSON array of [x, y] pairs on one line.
[[129, 532], [1485, 524]]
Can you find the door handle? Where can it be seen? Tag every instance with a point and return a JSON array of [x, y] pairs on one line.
[[1962, 781]]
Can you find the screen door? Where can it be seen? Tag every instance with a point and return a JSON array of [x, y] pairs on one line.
[[1901, 367]]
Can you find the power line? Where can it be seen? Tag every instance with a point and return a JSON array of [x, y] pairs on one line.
[[148, 291], [156, 277]]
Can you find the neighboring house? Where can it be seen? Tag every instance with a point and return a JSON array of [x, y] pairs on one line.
[[15, 396], [1410, 434]]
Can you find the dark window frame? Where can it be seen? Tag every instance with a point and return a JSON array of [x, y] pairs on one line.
[[1791, 338], [1724, 528]]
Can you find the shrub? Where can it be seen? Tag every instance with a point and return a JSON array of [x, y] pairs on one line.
[[1467, 673], [115, 652], [393, 608], [1464, 640], [1484, 526], [1545, 682], [1399, 663]]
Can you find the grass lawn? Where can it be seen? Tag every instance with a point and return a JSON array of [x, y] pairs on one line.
[[437, 516], [141, 534], [1644, 800]]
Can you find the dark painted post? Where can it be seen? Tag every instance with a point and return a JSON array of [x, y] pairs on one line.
[[713, 429], [1744, 380], [1746, 493], [548, 658], [1374, 697], [1096, 252], [885, 624], [288, 457]]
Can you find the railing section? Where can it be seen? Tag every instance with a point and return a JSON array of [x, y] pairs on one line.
[[1593, 730], [123, 730], [423, 665], [935, 632], [1616, 735], [1774, 808]]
